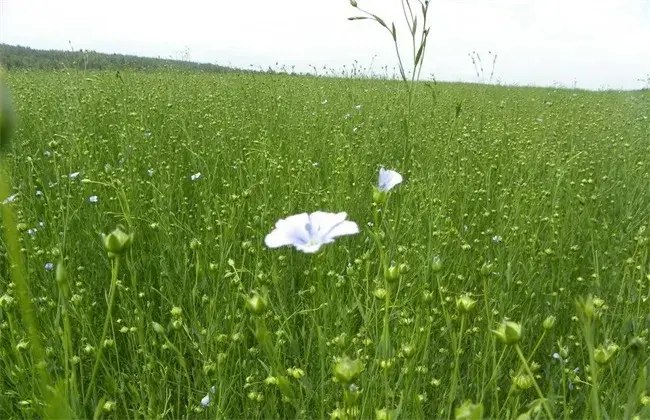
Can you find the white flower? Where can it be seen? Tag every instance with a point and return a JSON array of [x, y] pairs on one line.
[[195, 176], [357, 106], [10, 199], [324, 102], [205, 401], [150, 172], [388, 179], [93, 199], [39, 193], [49, 266], [73, 175], [496, 239], [308, 232]]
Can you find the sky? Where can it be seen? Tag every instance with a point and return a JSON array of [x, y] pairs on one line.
[[590, 44]]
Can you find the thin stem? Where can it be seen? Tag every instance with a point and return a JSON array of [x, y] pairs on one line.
[[545, 405], [107, 320]]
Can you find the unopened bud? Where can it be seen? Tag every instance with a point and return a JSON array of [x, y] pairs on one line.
[[347, 370], [256, 304], [436, 265], [158, 328], [549, 322], [486, 269], [109, 406], [465, 304], [379, 197], [469, 411], [523, 381], [391, 273], [509, 332], [117, 242]]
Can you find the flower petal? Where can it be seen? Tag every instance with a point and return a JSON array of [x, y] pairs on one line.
[[289, 231], [344, 228], [388, 179]]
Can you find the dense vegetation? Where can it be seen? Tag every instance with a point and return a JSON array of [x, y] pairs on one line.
[[15, 57], [518, 203]]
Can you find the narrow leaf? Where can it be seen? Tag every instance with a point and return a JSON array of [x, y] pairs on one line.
[[358, 18], [380, 21], [394, 32]]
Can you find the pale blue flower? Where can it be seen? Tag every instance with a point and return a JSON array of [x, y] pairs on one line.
[[388, 179], [73, 175], [205, 401], [195, 176], [49, 266], [93, 199], [308, 232]]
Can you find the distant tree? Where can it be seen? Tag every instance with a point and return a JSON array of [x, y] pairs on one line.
[[19, 57]]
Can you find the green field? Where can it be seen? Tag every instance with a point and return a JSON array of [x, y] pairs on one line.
[[517, 203]]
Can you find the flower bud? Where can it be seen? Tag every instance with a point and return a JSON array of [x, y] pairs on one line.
[[549, 322], [353, 3], [7, 116], [177, 324], [436, 265], [384, 414], [391, 273], [408, 351], [523, 381], [109, 406], [62, 279], [158, 328], [509, 332], [486, 269], [465, 304], [404, 268], [347, 370], [603, 354], [379, 197], [117, 242], [256, 304], [380, 293], [469, 411], [636, 344]]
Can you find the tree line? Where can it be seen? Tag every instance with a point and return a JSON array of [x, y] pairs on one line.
[[18, 57]]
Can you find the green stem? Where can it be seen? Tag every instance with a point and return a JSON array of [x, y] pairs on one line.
[[107, 320], [454, 376], [523, 360]]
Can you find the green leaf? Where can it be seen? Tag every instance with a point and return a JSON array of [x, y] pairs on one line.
[[380, 21]]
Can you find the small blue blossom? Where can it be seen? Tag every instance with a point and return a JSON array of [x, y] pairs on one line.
[[49, 266]]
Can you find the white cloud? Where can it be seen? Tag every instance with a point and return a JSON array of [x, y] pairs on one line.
[[596, 43]]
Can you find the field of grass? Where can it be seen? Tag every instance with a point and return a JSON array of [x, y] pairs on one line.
[[524, 204]]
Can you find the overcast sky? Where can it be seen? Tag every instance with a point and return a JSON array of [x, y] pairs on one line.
[[589, 43]]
